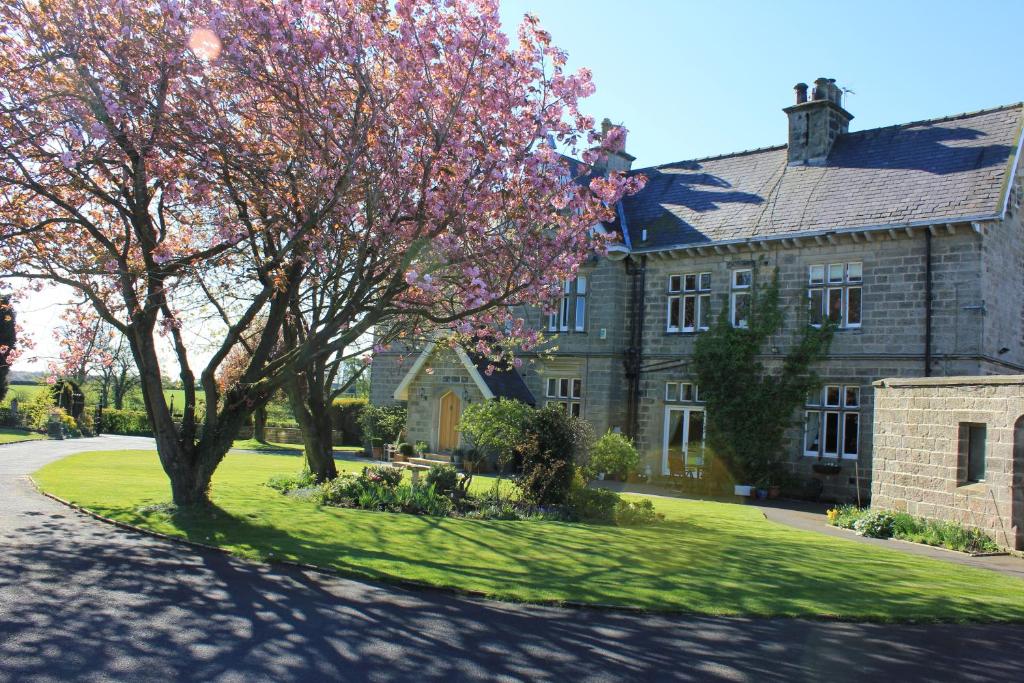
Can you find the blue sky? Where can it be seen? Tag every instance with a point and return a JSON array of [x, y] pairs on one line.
[[692, 79]]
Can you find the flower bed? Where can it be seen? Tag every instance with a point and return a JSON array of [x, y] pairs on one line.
[[885, 524], [445, 494]]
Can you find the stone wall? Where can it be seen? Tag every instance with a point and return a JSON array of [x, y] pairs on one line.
[[919, 466]]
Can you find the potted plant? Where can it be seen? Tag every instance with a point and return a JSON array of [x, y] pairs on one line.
[[377, 448], [406, 451]]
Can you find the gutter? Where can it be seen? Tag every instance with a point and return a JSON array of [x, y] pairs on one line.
[[830, 233], [927, 303], [634, 352]]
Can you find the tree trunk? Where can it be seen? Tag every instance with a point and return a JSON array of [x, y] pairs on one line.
[[310, 409], [259, 424], [189, 466]]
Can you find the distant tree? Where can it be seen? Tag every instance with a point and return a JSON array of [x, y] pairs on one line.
[[749, 405], [8, 337], [92, 349]]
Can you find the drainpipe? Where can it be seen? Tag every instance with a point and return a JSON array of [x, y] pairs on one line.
[[634, 352], [927, 303]]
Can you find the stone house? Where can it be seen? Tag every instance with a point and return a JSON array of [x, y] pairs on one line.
[[952, 448], [909, 236]]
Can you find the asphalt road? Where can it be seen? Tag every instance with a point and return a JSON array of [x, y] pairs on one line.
[[80, 600]]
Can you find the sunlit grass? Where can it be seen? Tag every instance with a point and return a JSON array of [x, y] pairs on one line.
[[708, 557], [8, 435]]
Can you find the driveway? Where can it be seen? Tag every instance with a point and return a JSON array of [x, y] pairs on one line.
[[80, 600]]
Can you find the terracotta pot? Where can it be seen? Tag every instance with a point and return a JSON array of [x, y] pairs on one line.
[[774, 491]]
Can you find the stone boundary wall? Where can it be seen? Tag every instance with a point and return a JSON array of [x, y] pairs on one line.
[[289, 435], [918, 462]]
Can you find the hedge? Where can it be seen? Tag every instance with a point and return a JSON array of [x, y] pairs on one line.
[[345, 414], [131, 422]]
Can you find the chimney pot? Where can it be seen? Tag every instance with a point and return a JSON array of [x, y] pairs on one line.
[[801, 92], [820, 91]]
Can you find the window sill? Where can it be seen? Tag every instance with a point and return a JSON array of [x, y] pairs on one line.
[[972, 487]]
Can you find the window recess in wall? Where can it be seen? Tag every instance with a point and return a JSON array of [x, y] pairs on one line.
[[571, 313], [834, 293], [832, 422], [739, 297], [689, 302], [566, 393]]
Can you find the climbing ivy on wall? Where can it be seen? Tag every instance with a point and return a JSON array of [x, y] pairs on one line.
[[750, 404]]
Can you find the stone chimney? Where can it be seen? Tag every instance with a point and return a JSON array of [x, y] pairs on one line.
[[616, 162], [815, 123]]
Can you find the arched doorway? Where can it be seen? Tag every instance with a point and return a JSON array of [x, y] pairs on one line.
[[447, 430]]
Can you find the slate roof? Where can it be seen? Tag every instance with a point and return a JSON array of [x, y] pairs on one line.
[[503, 383], [941, 170]]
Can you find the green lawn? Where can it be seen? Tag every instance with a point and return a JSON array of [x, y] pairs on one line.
[[15, 435], [709, 558]]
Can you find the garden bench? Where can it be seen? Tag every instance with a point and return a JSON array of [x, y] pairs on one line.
[[388, 454]]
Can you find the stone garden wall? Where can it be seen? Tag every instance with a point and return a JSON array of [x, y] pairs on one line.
[[920, 458]]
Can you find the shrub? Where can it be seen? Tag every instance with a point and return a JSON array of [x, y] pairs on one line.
[[68, 422], [427, 500], [134, 422], [37, 412], [614, 454], [422, 447], [383, 422], [444, 478], [547, 455], [636, 513], [345, 418], [947, 535], [597, 506], [86, 423], [286, 483], [875, 524], [382, 474], [406, 450], [496, 428], [845, 516], [342, 491]]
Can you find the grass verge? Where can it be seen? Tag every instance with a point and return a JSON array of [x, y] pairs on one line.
[[707, 558], [8, 435]]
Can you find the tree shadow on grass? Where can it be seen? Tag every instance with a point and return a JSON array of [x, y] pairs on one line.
[[738, 569], [92, 600]]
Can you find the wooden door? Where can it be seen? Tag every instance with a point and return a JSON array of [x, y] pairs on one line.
[[447, 433]]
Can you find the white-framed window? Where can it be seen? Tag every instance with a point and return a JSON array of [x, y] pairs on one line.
[[739, 297], [832, 422], [834, 293], [565, 392], [689, 302], [571, 312], [681, 392]]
